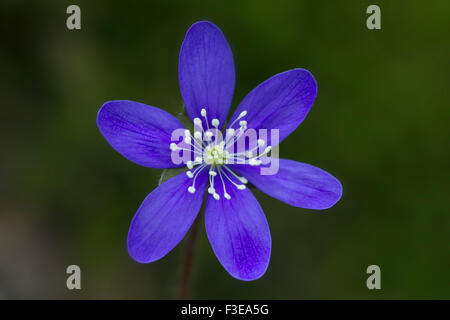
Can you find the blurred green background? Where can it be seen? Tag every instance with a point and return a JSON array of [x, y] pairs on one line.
[[380, 124]]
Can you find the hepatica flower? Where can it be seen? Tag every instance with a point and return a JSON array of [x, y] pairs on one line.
[[218, 168]]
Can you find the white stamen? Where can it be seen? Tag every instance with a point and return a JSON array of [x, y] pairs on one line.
[[243, 123], [198, 121], [212, 173], [227, 196], [198, 135], [215, 122], [223, 182], [203, 112], [261, 142], [241, 115], [208, 135], [173, 146], [239, 186], [190, 164], [189, 174], [254, 162], [197, 171], [236, 137], [216, 196], [191, 189], [242, 179]]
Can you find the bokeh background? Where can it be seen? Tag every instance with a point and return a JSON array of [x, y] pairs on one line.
[[380, 124]]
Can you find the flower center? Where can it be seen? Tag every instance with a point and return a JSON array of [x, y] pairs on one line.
[[214, 153]]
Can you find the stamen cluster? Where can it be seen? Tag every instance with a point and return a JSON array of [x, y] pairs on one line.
[[214, 153]]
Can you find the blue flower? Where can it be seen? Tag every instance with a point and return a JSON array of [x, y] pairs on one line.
[[235, 223]]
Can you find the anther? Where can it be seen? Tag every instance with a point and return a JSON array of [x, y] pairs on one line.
[[227, 196], [254, 162], [208, 135], [198, 121], [229, 133], [191, 189], [243, 114], [203, 112], [189, 174], [215, 122], [261, 142], [198, 135], [173, 146]]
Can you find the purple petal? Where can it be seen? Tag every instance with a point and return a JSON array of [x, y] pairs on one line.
[[139, 132], [239, 233], [164, 217], [206, 72], [281, 102], [298, 184]]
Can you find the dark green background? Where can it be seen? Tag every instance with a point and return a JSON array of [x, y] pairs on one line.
[[379, 124]]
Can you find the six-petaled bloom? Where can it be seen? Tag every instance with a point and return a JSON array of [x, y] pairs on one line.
[[235, 223]]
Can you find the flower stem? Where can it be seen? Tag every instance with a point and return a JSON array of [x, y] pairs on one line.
[[186, 271]]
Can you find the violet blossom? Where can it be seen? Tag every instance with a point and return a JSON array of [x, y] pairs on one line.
[[235, 224]]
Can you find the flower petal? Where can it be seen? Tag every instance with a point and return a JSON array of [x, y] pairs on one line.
[[281, 102], [164, 218], [298, 184], [206, 72], [239, 233], [139, 132]]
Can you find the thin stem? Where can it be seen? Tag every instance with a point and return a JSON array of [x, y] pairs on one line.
[[186, 272]]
